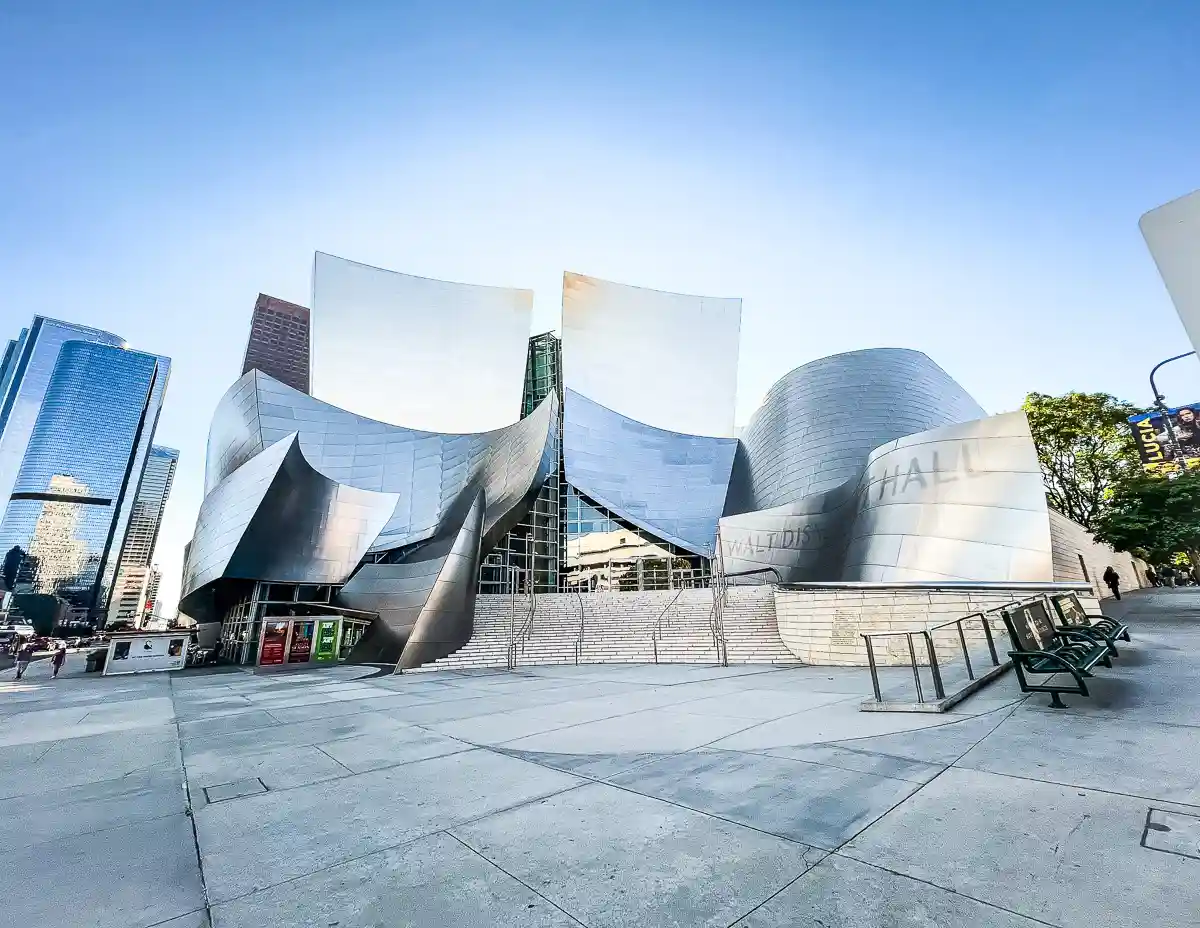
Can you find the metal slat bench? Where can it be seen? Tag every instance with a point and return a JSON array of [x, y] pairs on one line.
[[1041, 648], [1074, 618]]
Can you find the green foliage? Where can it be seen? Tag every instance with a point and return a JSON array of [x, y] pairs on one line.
[[41, 609], [1086, 450], [1154, 514]]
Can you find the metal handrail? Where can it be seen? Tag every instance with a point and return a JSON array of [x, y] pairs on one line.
[[720, 589], [525, 632], [514, 572], [657, 633], [931, 652], [579, 637]]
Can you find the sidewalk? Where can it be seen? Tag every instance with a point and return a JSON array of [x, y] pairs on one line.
[[642, 796]]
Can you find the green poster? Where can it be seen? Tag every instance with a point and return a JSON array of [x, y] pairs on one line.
[[325, 646]]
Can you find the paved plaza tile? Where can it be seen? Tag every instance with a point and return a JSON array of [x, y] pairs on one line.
[[604, 795]]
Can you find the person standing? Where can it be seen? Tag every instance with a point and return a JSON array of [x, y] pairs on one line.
[[1113, 580], [60, 658], [24, 656]]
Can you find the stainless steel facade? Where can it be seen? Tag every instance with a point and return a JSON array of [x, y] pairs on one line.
[[345, 490], [871, 465], [381, 340], [670, 484], [1172, 232], [818, 424], [961, 502], [668, 360], [876, 466]]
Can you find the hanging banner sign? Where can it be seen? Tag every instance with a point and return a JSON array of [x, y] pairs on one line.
[[1158, 453]]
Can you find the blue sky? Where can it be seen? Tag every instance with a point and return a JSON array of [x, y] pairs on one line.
[[964, 179]]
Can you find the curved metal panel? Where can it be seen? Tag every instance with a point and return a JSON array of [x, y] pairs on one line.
[[618, 339], [314, 489], [381, 339], [670, 484], [1172, 233], [799, 541], [963, 502], [426, 470], [276, 518], [425, 603], [818, 424]]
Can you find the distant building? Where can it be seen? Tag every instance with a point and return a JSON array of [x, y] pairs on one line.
[[152, 586], [79, 417], [134, 576], [278, 343]]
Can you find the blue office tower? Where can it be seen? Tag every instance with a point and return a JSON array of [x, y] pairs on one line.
[[86, 450]]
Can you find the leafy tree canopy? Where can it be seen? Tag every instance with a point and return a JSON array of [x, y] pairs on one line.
[[1086, 450], [1155, 515]]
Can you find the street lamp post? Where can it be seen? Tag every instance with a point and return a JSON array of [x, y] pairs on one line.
[[1162, 407]]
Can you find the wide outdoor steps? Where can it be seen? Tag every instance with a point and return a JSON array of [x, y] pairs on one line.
[[621, 628]]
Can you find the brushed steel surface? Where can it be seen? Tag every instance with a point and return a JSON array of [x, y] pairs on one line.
[[669, 360], [392, 346], [670, 484]]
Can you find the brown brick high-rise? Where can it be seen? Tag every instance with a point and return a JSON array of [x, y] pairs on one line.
[[278, 344]]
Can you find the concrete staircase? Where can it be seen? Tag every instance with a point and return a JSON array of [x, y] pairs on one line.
[[664, 627]]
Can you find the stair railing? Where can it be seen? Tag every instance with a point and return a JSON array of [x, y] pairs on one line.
[[579, 637], [526, 630], [658, 623]]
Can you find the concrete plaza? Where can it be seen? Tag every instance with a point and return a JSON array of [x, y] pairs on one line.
[[604, 796]]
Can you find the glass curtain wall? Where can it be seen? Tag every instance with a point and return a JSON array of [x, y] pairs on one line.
[[530, 555], [604, 552]]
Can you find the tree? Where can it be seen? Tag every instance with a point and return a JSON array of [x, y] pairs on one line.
[[1156, 515], [1086, 450], [12, 565]]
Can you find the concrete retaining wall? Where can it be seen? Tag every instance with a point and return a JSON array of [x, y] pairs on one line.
[[824, 625]]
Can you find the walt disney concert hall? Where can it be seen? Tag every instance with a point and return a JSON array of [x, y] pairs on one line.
[[444, 454]]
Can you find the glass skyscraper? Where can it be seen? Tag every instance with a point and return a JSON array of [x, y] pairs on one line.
[[135, 576], [28, 365], [94, 409]]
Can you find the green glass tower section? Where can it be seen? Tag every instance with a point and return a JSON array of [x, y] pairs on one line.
[[529, 558]]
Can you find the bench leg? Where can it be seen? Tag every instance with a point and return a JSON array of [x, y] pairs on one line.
[[1056, 702]]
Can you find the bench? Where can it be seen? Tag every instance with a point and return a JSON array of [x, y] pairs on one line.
[[1073, 617], [1040, 648]]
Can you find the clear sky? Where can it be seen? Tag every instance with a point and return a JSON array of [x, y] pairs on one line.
[[960, 178]]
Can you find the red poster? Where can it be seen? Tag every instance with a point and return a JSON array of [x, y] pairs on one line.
[[274, 639], [272, 652]]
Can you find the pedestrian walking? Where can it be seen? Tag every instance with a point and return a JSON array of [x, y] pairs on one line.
[[1113, 579], [24, 656], [1151, 576], [60, 658]]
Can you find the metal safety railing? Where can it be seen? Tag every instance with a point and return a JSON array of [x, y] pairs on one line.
[[579, 637], [657, 632], [934, 664]]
